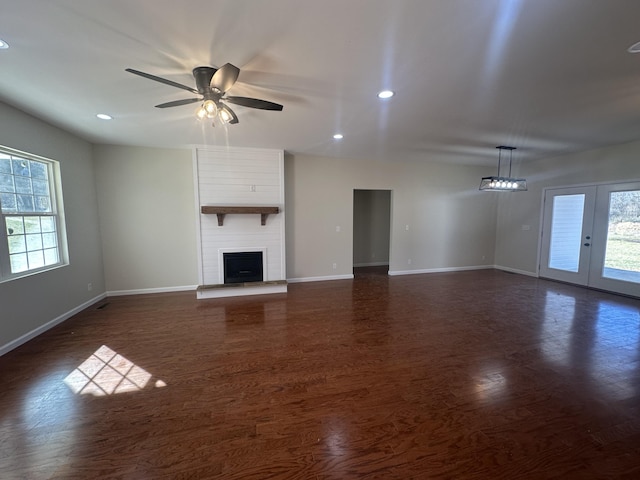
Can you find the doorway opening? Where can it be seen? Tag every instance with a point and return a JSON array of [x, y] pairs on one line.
[[371, 231]]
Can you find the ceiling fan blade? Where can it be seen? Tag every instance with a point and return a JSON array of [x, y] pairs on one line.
[[161, 80], [254, 103], [225, 77], [177, 103]]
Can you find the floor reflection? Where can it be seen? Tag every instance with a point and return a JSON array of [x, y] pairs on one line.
[[559, 314], [490, 382], [597, 342]]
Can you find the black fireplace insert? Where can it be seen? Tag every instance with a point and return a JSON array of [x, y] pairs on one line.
[[241, 267]]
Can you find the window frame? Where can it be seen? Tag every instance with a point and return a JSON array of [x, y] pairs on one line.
[[57, 213]]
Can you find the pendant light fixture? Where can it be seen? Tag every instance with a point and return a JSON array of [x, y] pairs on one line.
[[504, 184]]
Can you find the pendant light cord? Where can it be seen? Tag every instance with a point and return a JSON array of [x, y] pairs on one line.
[[510, 158]]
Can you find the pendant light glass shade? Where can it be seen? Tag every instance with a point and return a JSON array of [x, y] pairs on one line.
[[217, 111], [504, 184]]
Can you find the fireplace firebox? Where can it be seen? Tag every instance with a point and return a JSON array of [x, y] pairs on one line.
[[242, 267]]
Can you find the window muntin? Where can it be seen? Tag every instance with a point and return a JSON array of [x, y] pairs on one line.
[[31, 221]]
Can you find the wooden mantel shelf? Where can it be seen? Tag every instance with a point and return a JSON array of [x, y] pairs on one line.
[[221, 211]]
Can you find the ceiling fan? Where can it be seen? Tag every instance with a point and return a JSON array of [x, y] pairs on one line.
[[211, 88]]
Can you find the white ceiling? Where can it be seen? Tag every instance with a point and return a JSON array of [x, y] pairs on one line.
[[545, 76]]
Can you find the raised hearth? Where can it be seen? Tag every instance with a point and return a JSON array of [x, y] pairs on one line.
[[240, 289]]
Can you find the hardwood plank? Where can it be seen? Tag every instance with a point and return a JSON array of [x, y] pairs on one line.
[[461, 375]]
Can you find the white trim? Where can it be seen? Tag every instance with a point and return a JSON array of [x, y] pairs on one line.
[[7, 347], [440, 270], [144, 291], [196, 193], [35, 271], [539, 238], [515, 270], [320, 279], [283, 212]]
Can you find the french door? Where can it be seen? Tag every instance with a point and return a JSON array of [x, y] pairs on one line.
[[591, 236]]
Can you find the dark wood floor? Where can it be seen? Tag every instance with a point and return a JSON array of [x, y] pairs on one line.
[[479, 375]]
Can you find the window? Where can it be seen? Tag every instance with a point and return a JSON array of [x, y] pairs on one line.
[[32, 230]]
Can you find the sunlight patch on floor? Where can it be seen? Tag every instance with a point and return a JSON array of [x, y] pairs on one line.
[[106, 372]]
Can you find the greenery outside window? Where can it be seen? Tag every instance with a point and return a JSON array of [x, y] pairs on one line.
[[32, 228]]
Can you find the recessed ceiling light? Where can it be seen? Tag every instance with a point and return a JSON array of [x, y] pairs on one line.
[[385, 94], [338, 136], [3, 44], [104, 116], [635, 48]]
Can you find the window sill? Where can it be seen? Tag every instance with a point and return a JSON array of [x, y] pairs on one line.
[[29, 273]]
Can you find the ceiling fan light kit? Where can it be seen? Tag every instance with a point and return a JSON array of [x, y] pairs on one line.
[[503, 184], [211, 88]]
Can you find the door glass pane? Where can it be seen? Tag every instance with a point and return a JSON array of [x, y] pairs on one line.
[[566, 232], [622, 256]]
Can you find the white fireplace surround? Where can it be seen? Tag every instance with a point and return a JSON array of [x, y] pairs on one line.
[[239, 177], [222, 251]]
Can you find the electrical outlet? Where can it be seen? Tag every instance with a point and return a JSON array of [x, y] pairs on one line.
[[338, 228], [409, 262], [89, 287], [335, 265]]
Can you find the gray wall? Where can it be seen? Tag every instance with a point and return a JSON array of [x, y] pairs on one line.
[[30, 302], [517, 249], [147, 218], [439, 218]]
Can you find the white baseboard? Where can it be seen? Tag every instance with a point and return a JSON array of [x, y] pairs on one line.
[[440, 270], [43, 328], [144, 291], [514, 270], [320, 279]]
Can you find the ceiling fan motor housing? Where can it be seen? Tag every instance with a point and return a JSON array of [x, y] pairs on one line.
[[203, 76]]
